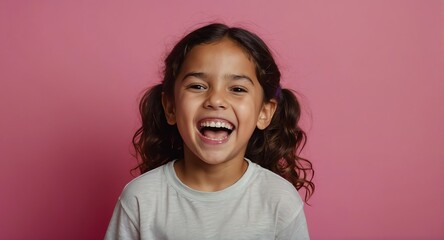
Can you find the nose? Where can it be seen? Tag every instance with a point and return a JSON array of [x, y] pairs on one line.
[[215, 100]]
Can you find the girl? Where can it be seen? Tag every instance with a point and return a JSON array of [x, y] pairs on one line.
[[218, 143]]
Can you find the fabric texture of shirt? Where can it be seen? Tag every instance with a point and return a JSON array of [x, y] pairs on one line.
[[157, 205]]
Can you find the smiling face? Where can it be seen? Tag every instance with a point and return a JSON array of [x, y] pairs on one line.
[[218, 103]]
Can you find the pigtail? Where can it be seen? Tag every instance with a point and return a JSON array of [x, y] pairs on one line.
[[156, 142], [277, 147], [291, 166]]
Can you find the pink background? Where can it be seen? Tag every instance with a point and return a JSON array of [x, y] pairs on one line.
[[371, 74]]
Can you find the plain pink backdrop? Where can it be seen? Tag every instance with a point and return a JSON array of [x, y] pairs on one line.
[[370, 74]]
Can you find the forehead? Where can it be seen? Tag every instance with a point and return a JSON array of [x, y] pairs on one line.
[[224, 53]]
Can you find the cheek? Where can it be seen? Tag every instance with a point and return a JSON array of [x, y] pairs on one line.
[[250, 109]]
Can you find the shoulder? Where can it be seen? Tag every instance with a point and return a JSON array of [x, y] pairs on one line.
[[144, 185], [277, 187]]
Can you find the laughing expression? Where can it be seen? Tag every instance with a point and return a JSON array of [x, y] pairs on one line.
[[218, 103]]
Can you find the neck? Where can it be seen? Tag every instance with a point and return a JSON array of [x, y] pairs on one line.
[[209, 178]]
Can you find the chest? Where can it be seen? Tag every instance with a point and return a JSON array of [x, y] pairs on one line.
[[176, 217]]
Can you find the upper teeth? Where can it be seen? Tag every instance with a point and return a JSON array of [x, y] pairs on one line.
[[216, 124]]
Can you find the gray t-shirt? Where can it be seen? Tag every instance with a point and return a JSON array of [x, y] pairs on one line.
[[157, 205]]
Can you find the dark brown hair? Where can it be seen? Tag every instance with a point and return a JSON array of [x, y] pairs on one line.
[[276, 148]]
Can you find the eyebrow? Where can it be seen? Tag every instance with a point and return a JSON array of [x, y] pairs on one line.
[[199, 75], [239, 77], [202, 75]]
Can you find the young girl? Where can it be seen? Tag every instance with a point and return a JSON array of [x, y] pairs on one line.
[[218, 143]]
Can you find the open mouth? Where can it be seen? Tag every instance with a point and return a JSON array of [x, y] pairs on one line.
[[217, 130]]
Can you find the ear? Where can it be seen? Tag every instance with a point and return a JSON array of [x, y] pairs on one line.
[[169, 109], [266, 114]]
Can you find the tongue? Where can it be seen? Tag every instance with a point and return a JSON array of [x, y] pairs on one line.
[[215, 134]]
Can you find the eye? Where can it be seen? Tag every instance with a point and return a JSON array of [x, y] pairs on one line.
[[238, 89], [196, 87]]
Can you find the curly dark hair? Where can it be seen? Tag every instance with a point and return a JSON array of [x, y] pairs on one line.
[[276, 148]]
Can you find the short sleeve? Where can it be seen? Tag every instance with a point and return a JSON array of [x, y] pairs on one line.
[[121, 225], [296, 229]]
